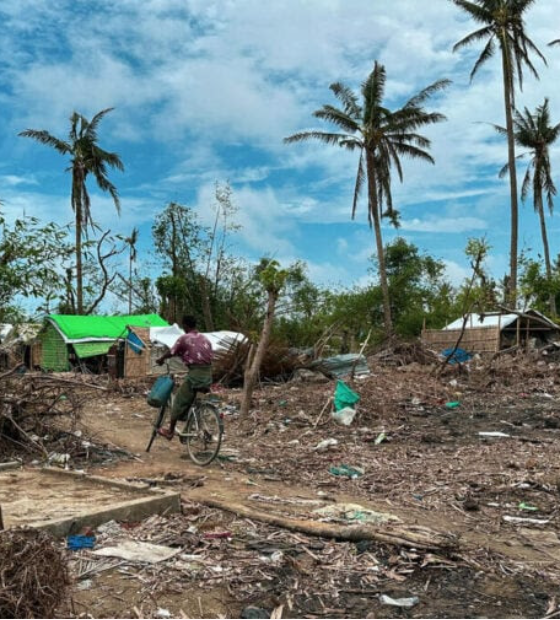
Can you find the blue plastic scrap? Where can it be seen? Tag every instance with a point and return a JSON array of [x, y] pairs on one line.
[[460, 356], [77, 542]]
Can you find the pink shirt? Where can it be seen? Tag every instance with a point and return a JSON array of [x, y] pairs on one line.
[[193, 348]]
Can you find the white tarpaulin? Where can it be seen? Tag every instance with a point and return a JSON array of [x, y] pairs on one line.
[[5, 329], [220, 341], [136, 551]]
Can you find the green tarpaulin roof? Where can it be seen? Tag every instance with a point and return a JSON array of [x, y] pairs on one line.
[[75, 328], [91, 349]]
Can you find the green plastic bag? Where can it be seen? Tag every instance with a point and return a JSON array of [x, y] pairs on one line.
[[344, 396]]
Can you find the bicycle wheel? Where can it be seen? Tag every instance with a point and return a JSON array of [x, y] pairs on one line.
[[156, 424], [203, 433]]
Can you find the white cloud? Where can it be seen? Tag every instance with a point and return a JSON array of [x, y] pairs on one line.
[[444, 225]]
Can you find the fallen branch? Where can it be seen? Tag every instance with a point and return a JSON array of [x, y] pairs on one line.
[[412, 537]]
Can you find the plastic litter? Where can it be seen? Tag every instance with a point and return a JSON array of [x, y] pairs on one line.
[[509, 519], [344, 416], [324, 445], [355, 513], [347, 470], [77, 542], [136, 551], [453, 404], [405, 603], [493, 434], [528, 507], [380, 438], [344, 396], [255, 613], [460, 356]]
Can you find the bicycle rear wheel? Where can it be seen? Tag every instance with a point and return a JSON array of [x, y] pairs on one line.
[[156, 425], [203, 434]]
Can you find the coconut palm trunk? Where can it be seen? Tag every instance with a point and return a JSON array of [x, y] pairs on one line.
[[514, 208], [546, 251], [375, 215]]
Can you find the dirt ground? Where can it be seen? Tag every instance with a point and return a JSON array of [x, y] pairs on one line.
[[496, 496]]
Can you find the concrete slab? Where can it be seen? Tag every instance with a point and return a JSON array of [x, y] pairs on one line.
[[63, 502]]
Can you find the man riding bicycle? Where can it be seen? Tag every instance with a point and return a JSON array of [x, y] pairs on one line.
[[196, 352]]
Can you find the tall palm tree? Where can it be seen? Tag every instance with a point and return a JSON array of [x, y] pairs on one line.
[[131, 241], [86, 157], [534, 132], [381, 137], [502, 26]]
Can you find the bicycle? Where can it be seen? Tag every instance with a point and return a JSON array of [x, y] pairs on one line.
[[202, 432]]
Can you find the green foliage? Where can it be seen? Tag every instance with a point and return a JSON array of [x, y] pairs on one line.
[[535, 287], [31, 257]]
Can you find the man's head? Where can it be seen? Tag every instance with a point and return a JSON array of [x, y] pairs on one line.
[[189, 322]]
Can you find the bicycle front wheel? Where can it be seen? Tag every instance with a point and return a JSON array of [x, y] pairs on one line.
[[203, 434]]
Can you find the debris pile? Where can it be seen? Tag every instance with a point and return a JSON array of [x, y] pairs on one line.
[[39, 415], [34, 578]]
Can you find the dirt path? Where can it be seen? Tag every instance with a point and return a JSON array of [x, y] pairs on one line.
[[126, 423]]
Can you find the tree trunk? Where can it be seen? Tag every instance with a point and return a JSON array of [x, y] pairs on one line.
[[376, 217], [79, 273], [254, 365], [130, 284], [206, 309], [508, 100], [548, 266]]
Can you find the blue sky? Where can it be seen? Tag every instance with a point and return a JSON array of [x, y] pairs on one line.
[[205, 91]]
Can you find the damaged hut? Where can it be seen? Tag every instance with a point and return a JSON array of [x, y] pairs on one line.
[[90, 343], [145, 344], [495, 331], [16, 345]]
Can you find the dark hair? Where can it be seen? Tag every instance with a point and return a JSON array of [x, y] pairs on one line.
[[189, 321]]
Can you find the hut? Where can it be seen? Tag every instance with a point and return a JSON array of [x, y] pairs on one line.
[[16, 344], [494, 331], [145, 345], [69, 341]]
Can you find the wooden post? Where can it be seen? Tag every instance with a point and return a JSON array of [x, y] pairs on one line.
[[499, 334]]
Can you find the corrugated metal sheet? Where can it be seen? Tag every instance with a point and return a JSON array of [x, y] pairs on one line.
[[488, 320], [341, 365]]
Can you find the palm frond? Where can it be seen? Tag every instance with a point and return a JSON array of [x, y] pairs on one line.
[[479, 12], [337, 117], [360, 175], [348, 99], [474, 37], [427, 92], [44, 137], [322, 136], [485, 55], [91, 130]]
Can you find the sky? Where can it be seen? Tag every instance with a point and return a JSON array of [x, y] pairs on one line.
[[206, 90]]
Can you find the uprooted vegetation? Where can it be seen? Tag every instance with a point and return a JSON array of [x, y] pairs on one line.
[[34, 578]]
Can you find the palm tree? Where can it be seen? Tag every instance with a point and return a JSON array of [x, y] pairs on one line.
[[534, 132], [502, 26], [86, 157], [133, 253], [381, 137]]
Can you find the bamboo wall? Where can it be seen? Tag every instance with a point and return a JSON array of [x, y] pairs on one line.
[[475, 340], [137, 364]]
